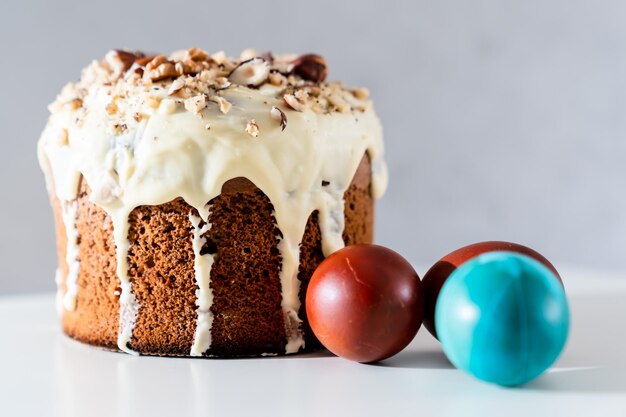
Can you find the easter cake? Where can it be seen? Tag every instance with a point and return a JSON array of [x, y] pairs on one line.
[[194, 195]]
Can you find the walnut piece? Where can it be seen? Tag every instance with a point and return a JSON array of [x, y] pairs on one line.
[[252, 128], [160, 68]]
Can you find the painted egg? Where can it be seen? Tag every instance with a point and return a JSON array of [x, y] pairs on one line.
[[502, 317], [439, 273], [365, 303]]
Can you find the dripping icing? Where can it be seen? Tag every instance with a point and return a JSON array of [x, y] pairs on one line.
[[129, 306], [204, 295], [68, 213]]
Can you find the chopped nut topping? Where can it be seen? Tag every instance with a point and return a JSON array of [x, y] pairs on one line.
[[311, 67], [252, 72], [291, 101], [279, 115], [222, 102], [176, 86], [207, 126], [276, 78], [196, 55], [340, 104], [111, 108], [222, 83], [361, 93], [195, 104], [252, 128], [139, 85], [119, 128], [301, 95], [159, 69], [75, 104]]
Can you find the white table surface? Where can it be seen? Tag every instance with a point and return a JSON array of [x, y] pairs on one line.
[[43, 373]]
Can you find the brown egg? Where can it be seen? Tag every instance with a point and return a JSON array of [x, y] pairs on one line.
[[439, 273], [365, 303]]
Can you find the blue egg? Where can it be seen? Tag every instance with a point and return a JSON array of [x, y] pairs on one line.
[[502, 317]]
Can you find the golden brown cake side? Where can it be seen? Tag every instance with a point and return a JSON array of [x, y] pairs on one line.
[[248, 319]]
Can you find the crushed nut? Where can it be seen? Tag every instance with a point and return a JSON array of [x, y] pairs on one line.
[[279, 115], [75, 104], [291, 101], [301, 95], [195, 104], [276, 78], [138, 83], [193, 67], [119, 128], [111, 108], [207, 126], [222, 102], [252, 128], [252, 72], [340, 104], [360, 93], [176, 86], [222, 83]]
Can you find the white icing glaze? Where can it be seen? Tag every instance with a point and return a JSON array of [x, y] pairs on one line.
[[129, 307], [68, 214], [204, 295], [170, 153]]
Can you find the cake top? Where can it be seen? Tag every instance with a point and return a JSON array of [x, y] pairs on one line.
[[193, 79]]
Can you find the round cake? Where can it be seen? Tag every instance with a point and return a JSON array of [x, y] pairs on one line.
[[194, 195]]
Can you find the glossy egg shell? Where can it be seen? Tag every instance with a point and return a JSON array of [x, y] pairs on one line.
[[440, 271], [502, 317], [365, 303]]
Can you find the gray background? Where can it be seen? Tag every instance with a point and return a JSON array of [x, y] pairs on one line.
[[503, 120]]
